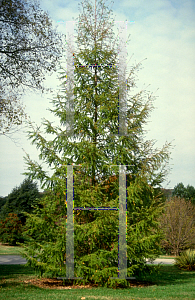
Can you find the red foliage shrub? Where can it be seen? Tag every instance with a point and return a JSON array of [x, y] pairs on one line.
[[10, 229]]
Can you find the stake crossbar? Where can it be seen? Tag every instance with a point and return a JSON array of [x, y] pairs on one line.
[[122, 232]]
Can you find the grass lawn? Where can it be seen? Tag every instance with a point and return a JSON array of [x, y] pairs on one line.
[[170, 283], [167, 256], [10, 250], [20, 282]]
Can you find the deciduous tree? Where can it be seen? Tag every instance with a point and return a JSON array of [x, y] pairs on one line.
[[11, 229], [29, 47], [99, 147], [178, 224]]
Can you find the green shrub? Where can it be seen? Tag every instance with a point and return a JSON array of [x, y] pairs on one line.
[[11, 229], [186, 261]]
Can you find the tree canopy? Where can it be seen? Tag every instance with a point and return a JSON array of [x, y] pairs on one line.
[[187, 192], [21, 199], [29, 48], [177, 222]]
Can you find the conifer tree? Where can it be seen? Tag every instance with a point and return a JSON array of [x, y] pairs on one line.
[[96, 181]]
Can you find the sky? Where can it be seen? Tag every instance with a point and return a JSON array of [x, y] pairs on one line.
[[162, 36]]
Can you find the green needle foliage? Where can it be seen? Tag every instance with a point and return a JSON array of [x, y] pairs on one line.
[[21, 200], [96, 145]]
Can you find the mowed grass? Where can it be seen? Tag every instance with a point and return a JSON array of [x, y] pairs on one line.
[[167, 256], [170, 283], [10, 250]]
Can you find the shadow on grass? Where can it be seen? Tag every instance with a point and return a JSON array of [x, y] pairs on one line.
[[10, 271], [170, 275], [16, 275], [12, 276], [15, 272]]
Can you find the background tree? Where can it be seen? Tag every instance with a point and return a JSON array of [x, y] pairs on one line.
[[96, 124], [21, 200], [2, 201], [29, 47], [178, 224], [11, 113], [11, 230], [187, 192]]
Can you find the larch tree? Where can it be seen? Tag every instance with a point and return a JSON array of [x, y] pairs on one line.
[[96, 155]]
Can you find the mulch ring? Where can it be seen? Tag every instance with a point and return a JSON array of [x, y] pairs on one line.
[[49, 283], [52, 283]]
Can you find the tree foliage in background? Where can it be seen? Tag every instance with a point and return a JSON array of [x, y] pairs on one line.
[[187, 192], [29, 47], [2, 201], [11, 229], [99, 146], [11, 113], [21, 200], [178, 224]]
